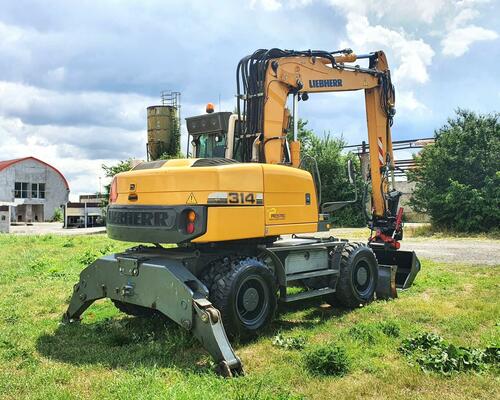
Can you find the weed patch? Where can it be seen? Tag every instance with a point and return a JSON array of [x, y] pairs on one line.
[[289, 342], [432, 353], [90, 255], [327, 360], [390, 328], [364, 333]]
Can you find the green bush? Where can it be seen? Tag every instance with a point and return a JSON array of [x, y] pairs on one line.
[[58, 215], [327, 360], [363, 333], [390, 328], [458, 178]]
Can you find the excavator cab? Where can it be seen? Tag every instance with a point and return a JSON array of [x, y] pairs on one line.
[[217, 135], [209, 133]]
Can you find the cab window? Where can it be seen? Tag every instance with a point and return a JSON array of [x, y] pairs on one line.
[[211, 146]]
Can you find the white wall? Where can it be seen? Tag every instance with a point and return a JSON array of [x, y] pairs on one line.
[[32, 171], [4, 221]]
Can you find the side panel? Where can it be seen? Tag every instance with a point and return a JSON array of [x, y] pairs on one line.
[[277, 230], [289, 200], [233, 223], [187, 185]]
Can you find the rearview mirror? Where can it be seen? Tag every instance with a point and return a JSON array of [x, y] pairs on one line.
[[350, 172]]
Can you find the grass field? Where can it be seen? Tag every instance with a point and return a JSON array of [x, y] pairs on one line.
[[112, 356]]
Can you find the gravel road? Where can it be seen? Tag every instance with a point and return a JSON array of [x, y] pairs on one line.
[[452, 250], [466, 251]]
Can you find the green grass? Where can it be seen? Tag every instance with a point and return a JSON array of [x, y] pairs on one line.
[[112, 356]]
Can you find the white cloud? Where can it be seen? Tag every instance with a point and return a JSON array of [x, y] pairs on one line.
[[39, 106], [458, 41], [407, 101], [459, 38], [462, 17], [412, 56], [274, 5], [269, 5], [420, 10]]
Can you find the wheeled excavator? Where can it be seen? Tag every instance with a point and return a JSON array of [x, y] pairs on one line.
[[244, 210]]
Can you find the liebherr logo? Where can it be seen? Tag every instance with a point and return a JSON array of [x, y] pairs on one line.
[[319, 83]]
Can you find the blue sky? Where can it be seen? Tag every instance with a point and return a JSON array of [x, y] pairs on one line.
[[76, 77]]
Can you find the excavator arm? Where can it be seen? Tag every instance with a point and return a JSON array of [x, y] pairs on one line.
[[268, 77]]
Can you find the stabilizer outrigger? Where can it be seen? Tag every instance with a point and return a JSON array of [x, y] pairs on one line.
[[157, 279]]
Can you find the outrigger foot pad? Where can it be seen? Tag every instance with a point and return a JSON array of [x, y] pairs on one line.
[[162, 283]]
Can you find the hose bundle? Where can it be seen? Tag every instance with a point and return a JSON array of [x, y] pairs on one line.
[[250, 77]]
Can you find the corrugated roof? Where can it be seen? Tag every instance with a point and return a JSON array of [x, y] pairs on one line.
[[8, 163]]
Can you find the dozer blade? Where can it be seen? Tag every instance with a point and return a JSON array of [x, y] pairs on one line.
[[161, 283], [396, 268]]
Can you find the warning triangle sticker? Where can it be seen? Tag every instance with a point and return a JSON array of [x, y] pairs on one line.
[[191, 199]]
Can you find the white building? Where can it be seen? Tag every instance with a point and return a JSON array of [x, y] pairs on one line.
[[88, 212], [32, 188]]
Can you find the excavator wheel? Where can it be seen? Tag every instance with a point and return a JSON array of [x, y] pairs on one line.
[[358, 276], [134, 310], [244, 291]]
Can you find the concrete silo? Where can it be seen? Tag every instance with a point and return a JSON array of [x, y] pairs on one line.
[[164, 127]]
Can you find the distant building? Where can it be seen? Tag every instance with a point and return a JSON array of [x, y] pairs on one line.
[[32, 189], [86, 213]]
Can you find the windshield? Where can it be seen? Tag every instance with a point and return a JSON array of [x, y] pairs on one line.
[[211, 146]]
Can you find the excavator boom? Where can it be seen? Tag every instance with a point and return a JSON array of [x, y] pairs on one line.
[[299, 73]]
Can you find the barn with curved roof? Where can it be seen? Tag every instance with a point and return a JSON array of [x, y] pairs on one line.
[[32, 188]]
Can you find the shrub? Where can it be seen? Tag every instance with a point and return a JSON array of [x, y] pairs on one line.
[[458, 178], [432, 353], [327, 360], [390, 328], [363, 332], [90, 255], [58, 215]]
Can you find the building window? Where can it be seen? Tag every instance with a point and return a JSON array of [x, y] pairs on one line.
[[21, 190], [38, 190]]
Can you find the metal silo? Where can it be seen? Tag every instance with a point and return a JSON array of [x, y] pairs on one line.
[[164, 126]]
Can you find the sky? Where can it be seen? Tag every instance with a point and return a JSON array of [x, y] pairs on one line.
[[76, 77]]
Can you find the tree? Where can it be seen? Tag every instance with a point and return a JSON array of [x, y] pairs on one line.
[[58, 215], [458, 178], [332, 166]]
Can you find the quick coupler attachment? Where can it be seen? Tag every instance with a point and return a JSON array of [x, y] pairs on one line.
[[161, 283]]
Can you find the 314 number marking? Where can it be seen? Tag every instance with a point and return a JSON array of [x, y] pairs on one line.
[[241, 198]]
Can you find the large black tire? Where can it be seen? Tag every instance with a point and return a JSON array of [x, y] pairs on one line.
[[244, 291], [134, 310], [358, 276]]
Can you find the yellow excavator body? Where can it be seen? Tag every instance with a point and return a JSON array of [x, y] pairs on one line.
[[242, 200]]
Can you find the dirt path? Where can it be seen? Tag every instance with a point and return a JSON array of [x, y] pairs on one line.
[[466, 251], [453, 250], [54, 228]]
